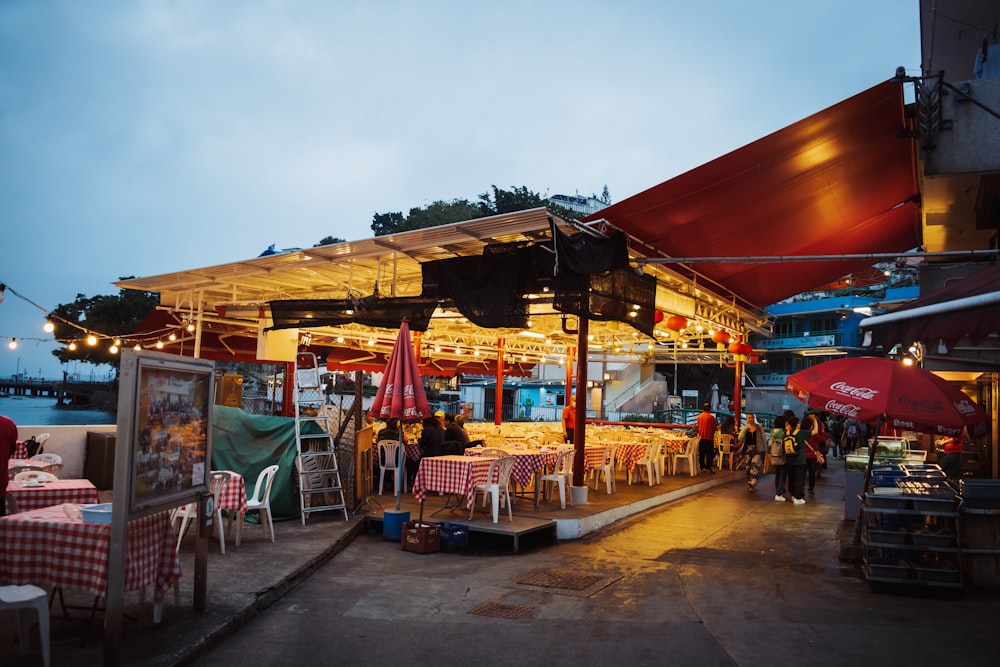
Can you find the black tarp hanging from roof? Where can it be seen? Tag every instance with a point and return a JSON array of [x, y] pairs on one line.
[[370, 311]]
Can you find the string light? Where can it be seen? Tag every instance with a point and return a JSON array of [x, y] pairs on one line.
[[91, 340], [12, 344], [49, 326]]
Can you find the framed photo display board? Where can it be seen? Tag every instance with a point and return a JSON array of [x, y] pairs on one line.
[[165, 427]]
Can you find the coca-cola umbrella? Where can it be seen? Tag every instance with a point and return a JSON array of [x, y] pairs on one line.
[[905, 397], [401, 394]]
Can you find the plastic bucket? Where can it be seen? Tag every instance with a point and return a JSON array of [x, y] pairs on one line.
[[392, 524]]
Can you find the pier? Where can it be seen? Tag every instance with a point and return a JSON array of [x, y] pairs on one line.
[[96, 395]]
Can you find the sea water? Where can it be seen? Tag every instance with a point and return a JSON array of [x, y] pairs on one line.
[[42, 411]]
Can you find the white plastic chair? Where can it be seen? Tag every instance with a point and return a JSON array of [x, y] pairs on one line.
[[689, 456], [187, 513], [20, 598], [724, 444], [46, 457], [261, 502], [40, 475], [647, 462], [498, 479], [388, 453], [607, 468], [561, 474]]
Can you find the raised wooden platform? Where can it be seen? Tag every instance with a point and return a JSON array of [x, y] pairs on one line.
[[549, 522]]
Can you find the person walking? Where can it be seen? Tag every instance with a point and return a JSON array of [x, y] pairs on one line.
[[778, 458], [795, 462], [813, 449], [707, 426], [753, 442]]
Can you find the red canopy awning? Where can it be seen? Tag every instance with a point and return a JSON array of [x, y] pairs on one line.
[[836, 183], [969, 307]]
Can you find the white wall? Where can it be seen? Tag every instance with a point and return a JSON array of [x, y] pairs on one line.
[[69, 442]]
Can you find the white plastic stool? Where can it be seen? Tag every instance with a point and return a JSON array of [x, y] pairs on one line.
[[24, 597]]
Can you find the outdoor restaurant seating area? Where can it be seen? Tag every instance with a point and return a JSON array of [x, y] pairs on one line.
[[622, 464], [45, 513]]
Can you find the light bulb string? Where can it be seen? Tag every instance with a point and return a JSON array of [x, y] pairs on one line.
[[148, 336]]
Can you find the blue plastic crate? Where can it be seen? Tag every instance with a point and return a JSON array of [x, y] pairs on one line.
[[454, 536], [886, 476]]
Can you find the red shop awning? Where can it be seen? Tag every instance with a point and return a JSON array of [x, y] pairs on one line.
[[842, 181]]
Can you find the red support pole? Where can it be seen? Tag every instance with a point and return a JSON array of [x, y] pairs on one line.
[[498, 398], [580, 398]]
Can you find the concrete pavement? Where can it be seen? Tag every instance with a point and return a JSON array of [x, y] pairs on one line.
[[720, 577]]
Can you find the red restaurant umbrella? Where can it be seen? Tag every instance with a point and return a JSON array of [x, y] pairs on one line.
[[401, 393], [909, 398]]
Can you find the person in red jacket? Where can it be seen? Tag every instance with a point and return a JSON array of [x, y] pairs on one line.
[[8, 443], [951, 459], [707, 426]]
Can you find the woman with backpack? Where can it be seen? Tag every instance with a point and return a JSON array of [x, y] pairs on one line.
[[795, 458], [753, 443]]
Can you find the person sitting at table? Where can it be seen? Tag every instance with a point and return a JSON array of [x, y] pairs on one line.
[[8, 443], [455, 433], [431, 443]]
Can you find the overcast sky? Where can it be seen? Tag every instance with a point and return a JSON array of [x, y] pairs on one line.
[[143, 137]]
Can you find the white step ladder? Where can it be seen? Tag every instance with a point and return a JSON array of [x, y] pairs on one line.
[[320, 488]]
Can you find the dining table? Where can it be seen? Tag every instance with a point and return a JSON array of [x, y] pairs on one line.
[[453, 474], [233, 497], [528, 464], [32, 496], [53, 546], [20, 450]]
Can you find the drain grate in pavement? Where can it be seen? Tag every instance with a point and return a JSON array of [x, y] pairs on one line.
[[574, 581], [501, 610], [567, 582]]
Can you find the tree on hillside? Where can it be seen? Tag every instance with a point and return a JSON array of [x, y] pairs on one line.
[[330, 240], [459, 210], [104, 315]]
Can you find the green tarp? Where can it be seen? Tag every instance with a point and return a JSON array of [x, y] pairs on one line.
[[247, 444]]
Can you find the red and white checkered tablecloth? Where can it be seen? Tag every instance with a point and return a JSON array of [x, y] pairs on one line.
[[526, 463], [20, 450], [630, 452], [45, 547], [593, 455], [675, 444], [80, 491], [234, 493], [454, 473]]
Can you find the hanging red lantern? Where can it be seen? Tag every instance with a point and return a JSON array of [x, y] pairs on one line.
[[676, 322], [721, 337], [734, 348], [745, 349], [658, 316]]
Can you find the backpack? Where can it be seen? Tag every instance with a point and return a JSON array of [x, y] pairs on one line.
[[777, 449], [852, 428], [33, 446], [790, 444]]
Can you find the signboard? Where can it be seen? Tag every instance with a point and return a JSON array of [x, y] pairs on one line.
[[794, 343]]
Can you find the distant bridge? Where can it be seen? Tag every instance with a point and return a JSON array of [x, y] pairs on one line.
[[77, 394]]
